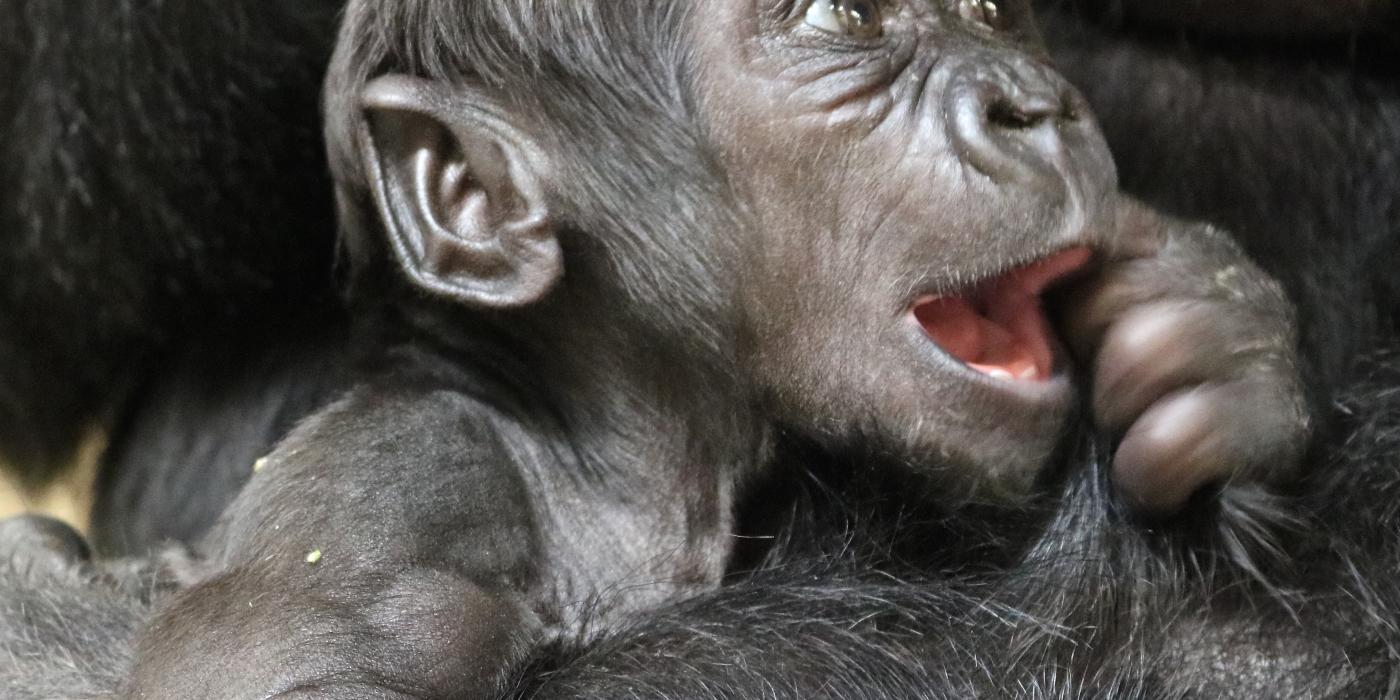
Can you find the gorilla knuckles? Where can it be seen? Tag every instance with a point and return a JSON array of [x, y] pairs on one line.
[[649, 265], [1195, 363]]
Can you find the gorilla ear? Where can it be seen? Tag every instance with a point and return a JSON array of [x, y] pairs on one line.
[[458, 188]]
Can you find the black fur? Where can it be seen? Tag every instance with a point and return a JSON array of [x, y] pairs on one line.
[[1092, 608], [1290, 145], [220, 403], [67, 629], [163, 181]]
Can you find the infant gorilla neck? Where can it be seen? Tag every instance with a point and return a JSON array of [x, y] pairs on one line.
[[998, 328]]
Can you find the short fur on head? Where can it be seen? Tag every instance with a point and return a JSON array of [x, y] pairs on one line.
[[620, 108]]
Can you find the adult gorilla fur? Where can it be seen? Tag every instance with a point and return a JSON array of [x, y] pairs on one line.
[[1089, 607], [1295, 149]]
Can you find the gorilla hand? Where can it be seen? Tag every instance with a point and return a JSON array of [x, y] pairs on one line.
[[1194, 361]]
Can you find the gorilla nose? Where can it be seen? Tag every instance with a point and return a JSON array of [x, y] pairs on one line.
[[1012, 121]]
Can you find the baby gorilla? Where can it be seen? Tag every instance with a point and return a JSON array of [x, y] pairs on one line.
[[613, 251]]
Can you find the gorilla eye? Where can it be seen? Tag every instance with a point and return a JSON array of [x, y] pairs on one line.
[[856, 18], [983, 12]]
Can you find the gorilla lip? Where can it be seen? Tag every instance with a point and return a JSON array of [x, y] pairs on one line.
[[999, 328]]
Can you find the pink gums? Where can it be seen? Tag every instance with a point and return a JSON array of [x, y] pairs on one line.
[[1000, 329]]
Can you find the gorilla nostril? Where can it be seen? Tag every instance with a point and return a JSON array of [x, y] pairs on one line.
[[1015, 122]]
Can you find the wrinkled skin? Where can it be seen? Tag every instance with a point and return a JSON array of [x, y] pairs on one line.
[[877, 174], [888, 170], [416, 537]]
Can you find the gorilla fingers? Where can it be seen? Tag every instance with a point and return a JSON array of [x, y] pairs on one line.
[[1195, 366]]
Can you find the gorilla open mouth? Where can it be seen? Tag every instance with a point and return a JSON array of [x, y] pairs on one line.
[[1000, 329]]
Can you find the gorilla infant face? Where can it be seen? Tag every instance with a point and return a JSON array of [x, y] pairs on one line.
[[916, 177]]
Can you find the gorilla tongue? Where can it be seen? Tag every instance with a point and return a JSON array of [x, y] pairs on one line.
[[1000, 329]]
